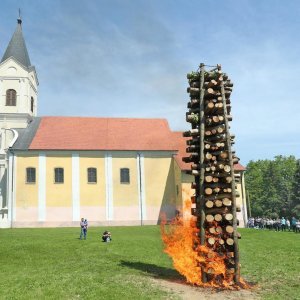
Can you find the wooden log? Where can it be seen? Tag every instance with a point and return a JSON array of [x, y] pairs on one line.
[[210, 83], [229, 229], [229, 241], [217, 210], [221, 241], [208, 191], [211, 241], [189, 159], [209, 204], [229, 217], [193, 91], [208, 156], [218, 217], [193, 102], [192, 132], [192, 118], [208, 178], [194, 148], [193, 142], [219, 229], [227, 202], [212, 230], [209, 218], [229, 254], [192, 172], [218, 203], [213, 75], [193, 199], [195, 167], [194, 185], [219, 196]]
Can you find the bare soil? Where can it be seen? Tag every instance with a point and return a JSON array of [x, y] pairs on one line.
[[181, 290]]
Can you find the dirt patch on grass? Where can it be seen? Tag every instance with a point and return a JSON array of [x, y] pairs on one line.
[[181, 290]]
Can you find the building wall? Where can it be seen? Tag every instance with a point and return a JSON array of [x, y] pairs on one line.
[[14, 76], [26, 204], [151, 191], [92, 195]]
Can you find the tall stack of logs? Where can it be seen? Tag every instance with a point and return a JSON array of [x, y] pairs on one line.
[[212, 159]]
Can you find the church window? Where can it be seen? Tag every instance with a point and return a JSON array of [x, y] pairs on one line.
[[31, 104], [59, 175], [124, 175], [11, 97], [30, 175], [92, 175]]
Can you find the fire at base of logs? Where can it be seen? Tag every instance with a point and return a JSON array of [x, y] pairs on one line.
[[212, 160]]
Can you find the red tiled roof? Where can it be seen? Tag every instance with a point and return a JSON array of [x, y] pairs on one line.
[[239, 167], [181, 145], [82, 133]]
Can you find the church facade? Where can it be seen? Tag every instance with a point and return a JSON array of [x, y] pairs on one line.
[[55, 170]]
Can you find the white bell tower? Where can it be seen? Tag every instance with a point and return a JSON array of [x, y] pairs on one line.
[[18, 83], [18, 105]]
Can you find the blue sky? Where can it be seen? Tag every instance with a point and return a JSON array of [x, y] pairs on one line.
[[130, 59]]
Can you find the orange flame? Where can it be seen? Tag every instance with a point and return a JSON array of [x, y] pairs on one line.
[[190, 258]]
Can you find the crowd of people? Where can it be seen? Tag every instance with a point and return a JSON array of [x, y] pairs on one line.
[[106, 236], [279, 224]]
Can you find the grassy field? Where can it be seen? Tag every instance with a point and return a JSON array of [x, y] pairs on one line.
[[54, 263]]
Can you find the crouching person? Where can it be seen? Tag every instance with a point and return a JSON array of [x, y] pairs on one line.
[[106, 237]]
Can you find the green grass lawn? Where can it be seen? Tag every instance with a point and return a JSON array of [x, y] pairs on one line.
[[54, 263]]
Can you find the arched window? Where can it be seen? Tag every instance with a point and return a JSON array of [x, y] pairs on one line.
[[124, 175], [31, 104], [92, 175], [11, 97]]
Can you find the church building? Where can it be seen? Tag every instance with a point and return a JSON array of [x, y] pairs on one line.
[[55, 170]]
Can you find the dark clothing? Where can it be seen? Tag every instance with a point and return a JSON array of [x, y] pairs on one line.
[[106, 237]]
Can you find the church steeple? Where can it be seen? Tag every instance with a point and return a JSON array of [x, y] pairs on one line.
[[17, 47], [18, 83]]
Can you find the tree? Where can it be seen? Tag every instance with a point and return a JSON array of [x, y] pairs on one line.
[[270, 185], [295, 193]]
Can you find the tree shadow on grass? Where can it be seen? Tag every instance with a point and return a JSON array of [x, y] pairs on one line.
[[153, 270]]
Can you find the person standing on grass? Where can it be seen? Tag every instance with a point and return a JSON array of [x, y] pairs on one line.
[[288, 224], [81, 228], [297, 226], [283, 224], [85, 228], [294, 221]]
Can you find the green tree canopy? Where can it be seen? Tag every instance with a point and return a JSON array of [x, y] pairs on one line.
[[274, 186]]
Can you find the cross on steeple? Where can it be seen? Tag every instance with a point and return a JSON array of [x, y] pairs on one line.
[[19, 19]]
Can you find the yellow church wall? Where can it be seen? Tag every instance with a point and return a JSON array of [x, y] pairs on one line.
[[26, 193], [177, 176], [160, 187], [125, 194], [92, 194], [59, 194]]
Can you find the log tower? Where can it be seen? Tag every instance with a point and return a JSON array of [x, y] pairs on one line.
[[212, 159]]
